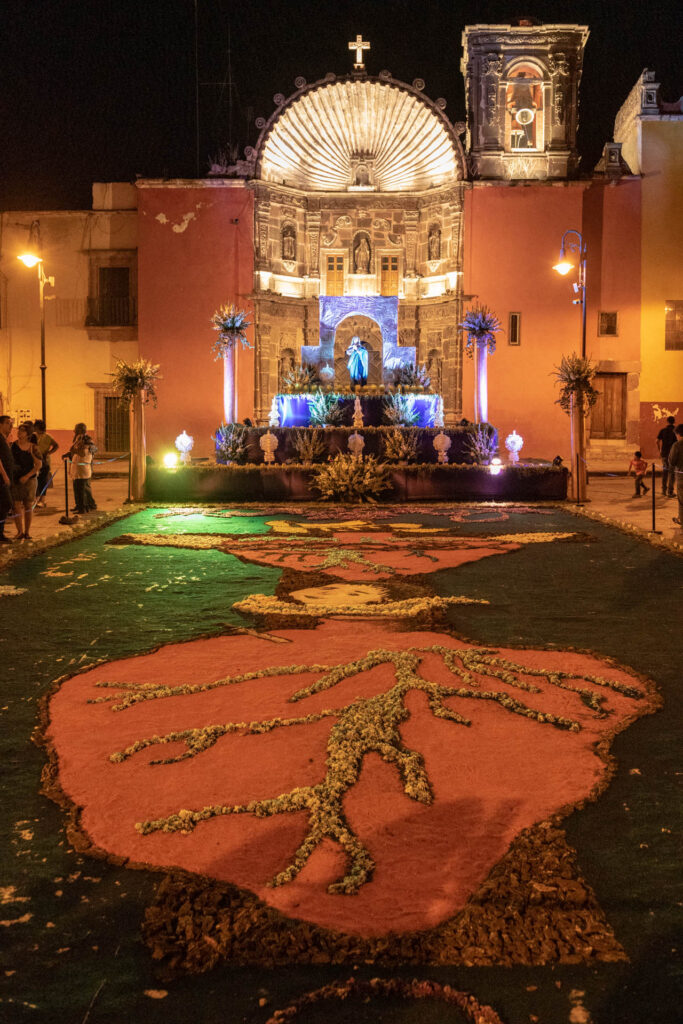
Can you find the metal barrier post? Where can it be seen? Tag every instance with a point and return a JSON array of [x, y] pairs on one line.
[[654, 491], [66, 519]]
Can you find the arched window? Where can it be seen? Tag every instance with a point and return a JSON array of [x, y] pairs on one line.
[[524, 107]]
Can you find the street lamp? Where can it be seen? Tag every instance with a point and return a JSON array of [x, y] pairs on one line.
[[564, 265], [576, 245], [32, 258]]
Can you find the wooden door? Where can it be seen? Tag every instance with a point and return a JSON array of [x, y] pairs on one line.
[[335, 275], [608, 417], [389, 275]]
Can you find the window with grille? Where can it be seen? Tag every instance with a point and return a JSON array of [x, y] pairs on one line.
[[673, 325], [335, 275], [389, 275], [607, 324], [116, 426], [514, 329]]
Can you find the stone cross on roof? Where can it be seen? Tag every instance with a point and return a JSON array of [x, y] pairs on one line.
[[359, 46]]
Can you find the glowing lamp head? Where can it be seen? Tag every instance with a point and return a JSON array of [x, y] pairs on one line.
[[170, 460], [563, 267], [29, 259]]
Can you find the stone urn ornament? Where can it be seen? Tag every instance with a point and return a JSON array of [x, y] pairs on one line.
[[356, 444], [514, 443], [268, 444], [357, 413], [184, 443], [442, 443]]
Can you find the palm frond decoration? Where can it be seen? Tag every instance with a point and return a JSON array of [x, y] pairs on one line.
[[301, 378], [399, 446], [399, 410], [481, 444], [324, 409], [575, 376], [230, 440], [131, 379], [231, 324], [410, 375], [481, 326], [309, 444]]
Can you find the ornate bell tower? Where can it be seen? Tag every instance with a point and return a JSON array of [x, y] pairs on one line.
[[522, 92]]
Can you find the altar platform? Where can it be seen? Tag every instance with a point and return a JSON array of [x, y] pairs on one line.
[[278, 483]]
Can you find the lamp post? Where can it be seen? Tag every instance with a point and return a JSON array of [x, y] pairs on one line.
[[572, 242], [31, 258]]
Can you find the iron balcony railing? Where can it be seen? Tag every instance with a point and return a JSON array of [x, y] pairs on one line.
[[107, 311]]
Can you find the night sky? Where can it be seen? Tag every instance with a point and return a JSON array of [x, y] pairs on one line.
[[105, 91]]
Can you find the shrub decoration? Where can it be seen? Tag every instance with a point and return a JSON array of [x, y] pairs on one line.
[[481, 443], [346, 478], [230, 440], [575, 376], [481, 327], [131, 379], [399, 410], [231, 324], [309, 444], [399, 446], [324, 409]]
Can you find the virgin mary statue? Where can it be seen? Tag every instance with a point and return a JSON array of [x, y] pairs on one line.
[[357, 361]]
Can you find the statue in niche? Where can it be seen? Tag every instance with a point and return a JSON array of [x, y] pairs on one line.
[[357, 361], [361, 257], [362, 175], [288, 243], [434, 244]]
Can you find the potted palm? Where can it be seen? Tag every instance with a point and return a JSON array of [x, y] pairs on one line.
[[481, 327], [135, 384], [577, 397], [231, 324]]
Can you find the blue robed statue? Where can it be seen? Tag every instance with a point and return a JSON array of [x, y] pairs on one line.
[[357, 361]]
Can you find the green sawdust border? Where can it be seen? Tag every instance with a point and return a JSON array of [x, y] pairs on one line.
[[304, 943], [10, 556]]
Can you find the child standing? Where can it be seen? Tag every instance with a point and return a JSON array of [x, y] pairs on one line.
[[638, 466]]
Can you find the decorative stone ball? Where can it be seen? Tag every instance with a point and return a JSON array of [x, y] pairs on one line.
[[442, 443], [356, 445], [326, 374], [184, 443], [268, 443], [514, 443]]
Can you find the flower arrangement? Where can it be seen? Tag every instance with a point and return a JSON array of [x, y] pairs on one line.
[[575, 376], [230, 440], [131, 379], [301, 378], [481, 326], [398, 446], [231, 324], [481, 444], [399, 410], [324, 409], [346, 478], [410, 375]]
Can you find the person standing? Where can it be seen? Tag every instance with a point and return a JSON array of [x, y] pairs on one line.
[[666, 438], [83, 500], [46, 445], [638, 466], [27, 462], [6, 476], [676, 470]]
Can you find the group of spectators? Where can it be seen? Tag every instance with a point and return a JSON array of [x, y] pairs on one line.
[[25, 472]]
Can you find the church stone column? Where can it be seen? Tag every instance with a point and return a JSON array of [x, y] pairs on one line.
[[410, 220], [313, 231], [263, 224]]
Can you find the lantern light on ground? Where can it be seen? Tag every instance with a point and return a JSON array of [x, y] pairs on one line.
[[170, 460], [496, 466]]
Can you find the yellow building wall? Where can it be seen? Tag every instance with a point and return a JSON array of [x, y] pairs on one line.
[[661, 257]]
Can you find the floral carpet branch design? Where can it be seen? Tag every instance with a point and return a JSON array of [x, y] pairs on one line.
[[366, 725]]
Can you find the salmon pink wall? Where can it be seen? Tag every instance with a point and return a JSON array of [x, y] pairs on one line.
[[195, 253], [513, 234]]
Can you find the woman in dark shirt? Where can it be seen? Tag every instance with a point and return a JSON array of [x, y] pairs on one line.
[[27, 462]]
